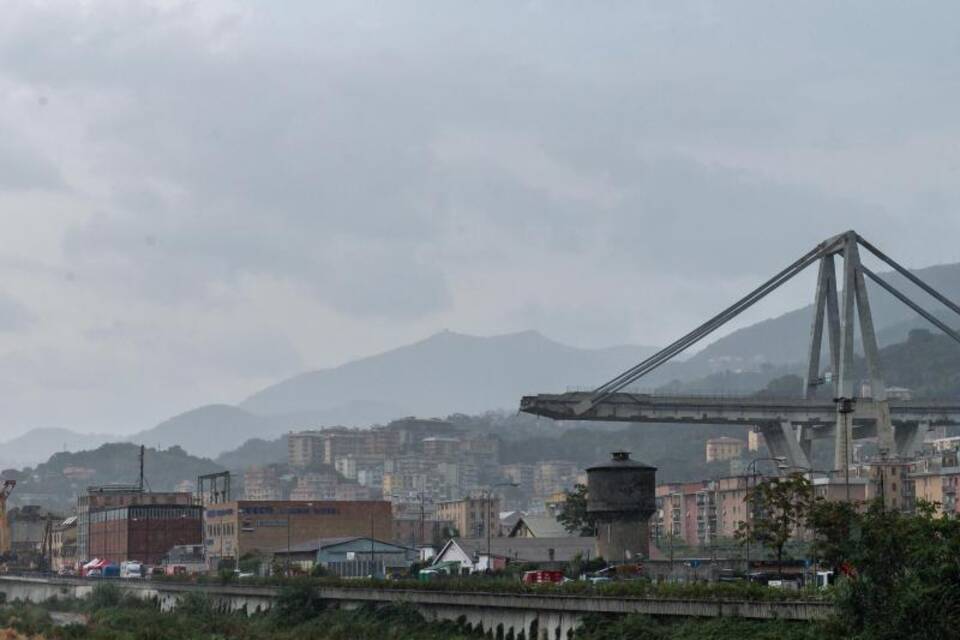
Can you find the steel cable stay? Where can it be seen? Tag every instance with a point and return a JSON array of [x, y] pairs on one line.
[[662, 356], [929, 317]]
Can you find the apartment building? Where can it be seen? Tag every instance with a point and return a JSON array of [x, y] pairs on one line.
[[471, 516], [315, 486], [686, 511], [304, 448], [520, 475], [440, 447], [938, 486], [263, 483], [552, 476], [350, 466], [719, 449]]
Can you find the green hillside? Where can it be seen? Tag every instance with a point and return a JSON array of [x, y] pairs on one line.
[[56, 483]]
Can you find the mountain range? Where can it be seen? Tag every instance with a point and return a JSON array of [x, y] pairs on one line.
[[37, 445], [455, 373]]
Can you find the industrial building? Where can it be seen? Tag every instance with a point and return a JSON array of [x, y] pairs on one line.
[[234, 529], [113, 496], [145, 532], [348, 557]]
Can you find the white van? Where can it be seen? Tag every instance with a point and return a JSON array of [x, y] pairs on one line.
[[131, 569]]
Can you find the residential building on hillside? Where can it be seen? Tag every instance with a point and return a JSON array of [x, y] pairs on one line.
[[552, 476], [263, 483], [481, 448], [719, 449], [372, 477], [350, 466], [315, 486], [474, 515], [519, 474], [440, 447], [351, 491], [304, 448]]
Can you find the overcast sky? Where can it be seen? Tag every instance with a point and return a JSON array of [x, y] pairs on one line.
[[199, 199]]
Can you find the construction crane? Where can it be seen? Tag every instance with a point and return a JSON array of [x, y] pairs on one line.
[[5, 492]]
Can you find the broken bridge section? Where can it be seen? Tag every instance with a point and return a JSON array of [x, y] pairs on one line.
[[790, 424]]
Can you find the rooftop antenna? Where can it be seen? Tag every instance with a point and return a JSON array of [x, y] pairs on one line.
[[142, 453]]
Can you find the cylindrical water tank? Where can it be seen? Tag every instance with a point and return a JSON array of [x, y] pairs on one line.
[[621, 494]]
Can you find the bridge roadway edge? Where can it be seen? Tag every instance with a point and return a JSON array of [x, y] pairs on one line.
[[548, 612]]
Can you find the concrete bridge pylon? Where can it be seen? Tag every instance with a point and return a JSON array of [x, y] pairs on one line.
[[789, 426]]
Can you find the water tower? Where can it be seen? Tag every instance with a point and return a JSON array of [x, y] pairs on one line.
[[621, 493]]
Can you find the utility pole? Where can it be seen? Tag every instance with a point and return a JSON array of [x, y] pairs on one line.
[[372, 574], [845, 409], [143, 450], [489, 518]]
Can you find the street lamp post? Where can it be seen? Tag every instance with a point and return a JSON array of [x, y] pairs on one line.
[[845, 408]]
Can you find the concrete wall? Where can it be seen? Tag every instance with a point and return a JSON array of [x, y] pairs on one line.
[[551, 617]]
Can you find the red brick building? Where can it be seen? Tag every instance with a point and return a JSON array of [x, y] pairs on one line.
[[145, 533]]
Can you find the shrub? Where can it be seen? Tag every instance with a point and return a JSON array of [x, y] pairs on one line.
[[297, 603], [104, 595]]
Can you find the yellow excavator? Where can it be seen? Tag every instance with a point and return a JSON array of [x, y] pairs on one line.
[[5, 492]]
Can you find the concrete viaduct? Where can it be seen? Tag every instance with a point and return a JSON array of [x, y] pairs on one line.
[[841, 311], [529, 616], [789, 425]]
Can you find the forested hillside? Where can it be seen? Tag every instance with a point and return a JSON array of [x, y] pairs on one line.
[[56, 483]]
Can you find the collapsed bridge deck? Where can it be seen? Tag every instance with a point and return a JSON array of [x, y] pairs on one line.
[[692, 409]]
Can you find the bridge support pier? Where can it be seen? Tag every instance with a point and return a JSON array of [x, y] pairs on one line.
[[783, 441], [909, 438]]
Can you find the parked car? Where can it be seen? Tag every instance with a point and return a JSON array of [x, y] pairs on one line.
[[542, 577], [131, 569]]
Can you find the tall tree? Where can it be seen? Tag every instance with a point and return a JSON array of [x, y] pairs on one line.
[[833, 524], [779, 509], [574, 516]]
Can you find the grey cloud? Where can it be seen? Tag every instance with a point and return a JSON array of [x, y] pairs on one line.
[[21, 167], [384, 159], [13, 315]]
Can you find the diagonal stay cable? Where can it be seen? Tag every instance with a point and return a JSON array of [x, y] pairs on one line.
[[910, 303], [657, 359], [910, 276], [720, 318]]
